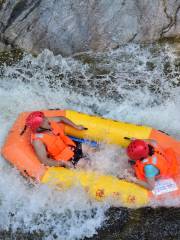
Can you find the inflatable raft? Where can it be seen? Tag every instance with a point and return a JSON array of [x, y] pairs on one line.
[[18, 151]]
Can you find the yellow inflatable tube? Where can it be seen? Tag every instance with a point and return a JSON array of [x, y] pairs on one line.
[[98, 186], [106, 130]]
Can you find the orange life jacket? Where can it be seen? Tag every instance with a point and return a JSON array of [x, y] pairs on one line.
[[164, 160], [58, 145]]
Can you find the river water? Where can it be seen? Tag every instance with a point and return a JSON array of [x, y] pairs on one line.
[[139, 84]]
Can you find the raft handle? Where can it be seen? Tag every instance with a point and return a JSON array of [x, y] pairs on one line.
[[127, 138], [164, 132], [23, 131]]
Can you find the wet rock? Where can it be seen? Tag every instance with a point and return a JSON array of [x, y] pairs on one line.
[[10, 57], [142, 224], [68, 26], [2, 46]]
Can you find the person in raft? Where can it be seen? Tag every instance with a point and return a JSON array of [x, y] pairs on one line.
[[150, 162], [50, 143]]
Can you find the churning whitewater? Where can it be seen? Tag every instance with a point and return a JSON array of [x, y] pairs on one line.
[[133, 84]]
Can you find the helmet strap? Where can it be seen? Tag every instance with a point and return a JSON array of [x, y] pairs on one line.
[[131, 162], [151, 150]]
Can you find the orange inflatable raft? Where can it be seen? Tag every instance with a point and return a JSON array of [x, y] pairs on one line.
[[19, 152]]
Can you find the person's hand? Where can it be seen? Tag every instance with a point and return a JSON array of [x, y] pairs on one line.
[[132, 179], [127, 173], [81, 127], [67, 164]]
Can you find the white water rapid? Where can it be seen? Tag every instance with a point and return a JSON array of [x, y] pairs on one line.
[[134, 84]]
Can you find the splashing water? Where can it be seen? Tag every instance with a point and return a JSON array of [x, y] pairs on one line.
[[134, 84]]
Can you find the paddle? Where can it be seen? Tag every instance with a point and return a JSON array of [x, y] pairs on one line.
[[86, 141]]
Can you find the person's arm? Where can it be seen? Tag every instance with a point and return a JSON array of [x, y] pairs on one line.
[[149, 184], [69, 122], [42, 155], [150, 172], [152, 141]]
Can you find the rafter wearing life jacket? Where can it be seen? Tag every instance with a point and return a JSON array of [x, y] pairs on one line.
[[58, 145], [164, 160]]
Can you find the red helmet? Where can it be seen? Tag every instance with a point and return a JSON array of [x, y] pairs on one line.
[[137, 149], [34, 120]]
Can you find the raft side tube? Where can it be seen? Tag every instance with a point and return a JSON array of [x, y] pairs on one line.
[[98, 186], [105, 130]]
